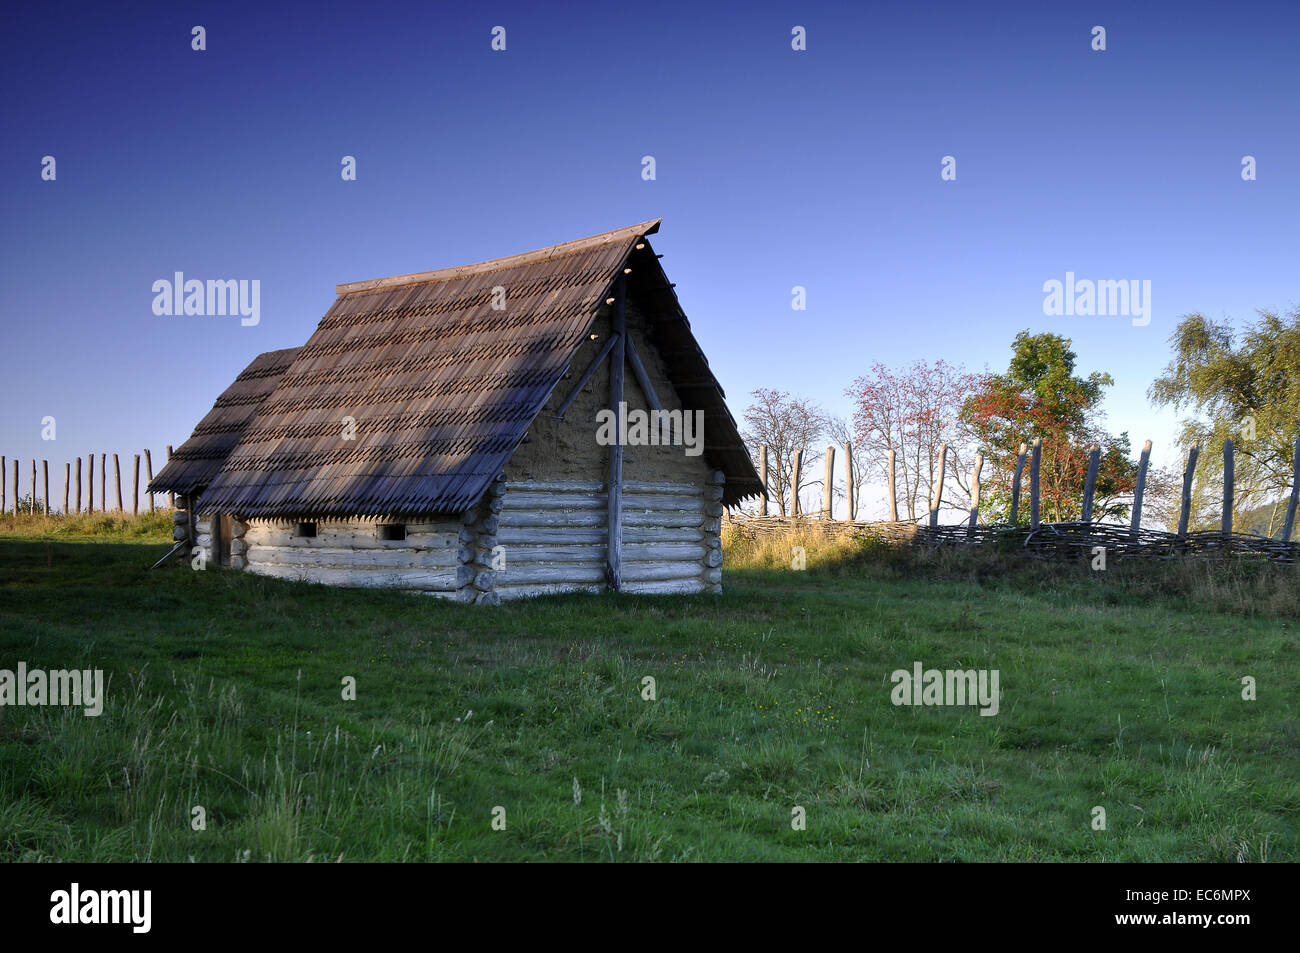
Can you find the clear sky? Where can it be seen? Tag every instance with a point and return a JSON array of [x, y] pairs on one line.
[[774, 168]]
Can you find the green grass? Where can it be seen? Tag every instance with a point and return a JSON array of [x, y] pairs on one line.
[[1120, 689], [115, 526]]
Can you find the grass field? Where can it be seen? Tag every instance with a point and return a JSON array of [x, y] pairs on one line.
[[1120, 690]]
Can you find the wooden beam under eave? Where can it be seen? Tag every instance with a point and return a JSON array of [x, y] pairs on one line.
[[614, 561]]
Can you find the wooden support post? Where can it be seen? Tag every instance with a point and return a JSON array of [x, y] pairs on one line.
[[1135, 518], [1015, 483], [170, 496], [614, 563], [1228, 490], [849, 488], [762, 477], [794, 487], [1090, 482], [117, 479], [893, 495], [215, 544], [975, 489], [103, 482], [78, 485], [1289, 525], [45, 484], [4, 483], [67, 487], [1035, 486], [1185, 511], [90, 484], [148, 475], [937, 496], [829, 495], [33, 501], [135, 488], [15, 487]]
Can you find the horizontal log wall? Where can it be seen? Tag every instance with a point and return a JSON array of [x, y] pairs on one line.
[[553, 538], [202, 537], [524, 539], [351, 553]]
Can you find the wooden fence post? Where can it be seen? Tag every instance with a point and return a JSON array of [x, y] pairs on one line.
[[33, 506], [1015, 482], [117, 479], [1090, 482], [67, 487], [135, 488], [172, 496], [893, 498], [1289, 525], [794, 489], [90, 484], [828, 496], [1185, 510], [78, 485], [1135, 518], [975, 489], [15, 487], [762, 477], [848, 481], [103, 483], [1228, 491], [148, 475], [45, 484], [4, 483], [938, 487], [1035, 486]]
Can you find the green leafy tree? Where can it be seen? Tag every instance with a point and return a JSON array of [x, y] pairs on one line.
[[1040, 396], [1242, 385]]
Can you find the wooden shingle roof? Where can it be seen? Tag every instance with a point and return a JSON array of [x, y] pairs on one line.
[[440, 386], [197, 461]]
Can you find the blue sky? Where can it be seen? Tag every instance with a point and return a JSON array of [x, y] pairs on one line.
[[775, 168]]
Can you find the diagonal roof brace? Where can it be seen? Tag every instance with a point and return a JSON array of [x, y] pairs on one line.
[[586, 375]]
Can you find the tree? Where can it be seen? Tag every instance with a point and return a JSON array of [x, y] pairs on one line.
[[786, 425], [1162, 499], [914, 412], [1243, 386], [1039, 396]]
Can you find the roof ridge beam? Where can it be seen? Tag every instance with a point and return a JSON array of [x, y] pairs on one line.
[[496, 264]]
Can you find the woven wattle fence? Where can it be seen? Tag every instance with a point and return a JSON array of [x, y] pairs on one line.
[[1062, 540], [1038, 538]]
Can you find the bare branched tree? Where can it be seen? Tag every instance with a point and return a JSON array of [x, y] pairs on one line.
[[914, 412], [785, 424]]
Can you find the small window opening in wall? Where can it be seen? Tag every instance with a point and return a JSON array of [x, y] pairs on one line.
[[306, 529], [392, 531]]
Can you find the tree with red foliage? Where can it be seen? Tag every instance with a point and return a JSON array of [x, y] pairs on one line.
[[1039, 396]]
